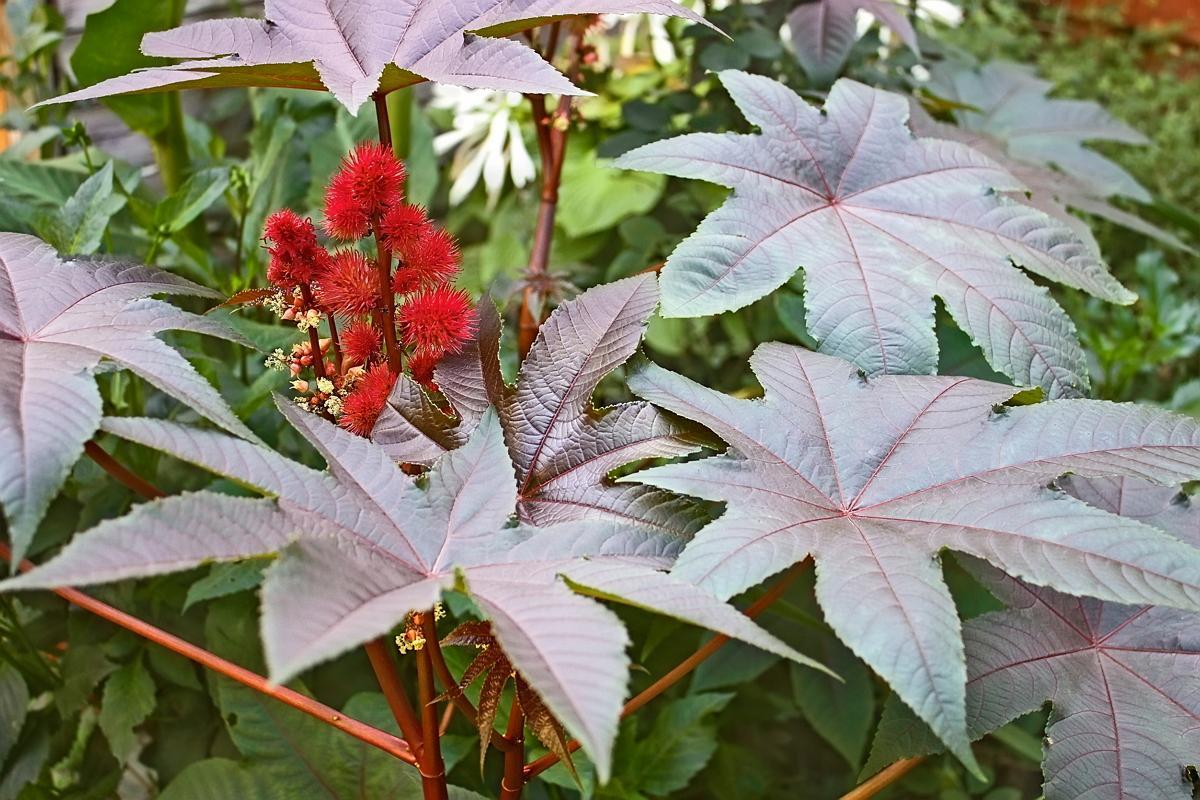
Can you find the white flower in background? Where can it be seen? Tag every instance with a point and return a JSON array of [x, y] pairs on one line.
[[485, 139]]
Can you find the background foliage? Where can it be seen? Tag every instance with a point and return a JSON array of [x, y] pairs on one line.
[[113, 716]]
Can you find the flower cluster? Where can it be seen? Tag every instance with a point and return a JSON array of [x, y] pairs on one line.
[[369, 311]]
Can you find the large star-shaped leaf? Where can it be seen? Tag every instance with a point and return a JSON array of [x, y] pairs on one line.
[[824, 31], [365, 545], [873, 477], [356, 47], [881, 222], [563, 447], [58, 321], [1124, 680], [1042, 141]]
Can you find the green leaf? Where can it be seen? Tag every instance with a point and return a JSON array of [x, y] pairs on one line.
[[38, 181], [25, 766], [599, 196], [111, 46], [842, 712], [223, 580], [78, 227], [128, 702], [680, 744], [192, 199], [14, 703], [83, 668], [222, 779]]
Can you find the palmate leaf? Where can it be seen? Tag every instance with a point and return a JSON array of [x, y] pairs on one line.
[[873, 477], [353, 48], [1041, 140], [562, 446], [1122, 679], [824, 31], [881, 223], [58, 321], [381, 545]]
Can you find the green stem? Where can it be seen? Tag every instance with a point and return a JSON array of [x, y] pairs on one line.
[[400, 113]]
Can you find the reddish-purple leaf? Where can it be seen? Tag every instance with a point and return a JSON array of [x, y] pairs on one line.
[[881, 223], [354, 48], [380, 545], [872, 478], [1042, 141], [824, 31], [563, 447], [58, 321]]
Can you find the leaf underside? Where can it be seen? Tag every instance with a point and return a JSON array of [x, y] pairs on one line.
[[824, 31], [881, 223], [874, 504], [58, 321], [356, 49]]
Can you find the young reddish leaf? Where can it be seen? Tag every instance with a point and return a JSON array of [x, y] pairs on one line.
[[824, 31], [881, 223], [872, 478], [58, 321], [1003, 111], [563, 447], [381, 545], [354, 49]]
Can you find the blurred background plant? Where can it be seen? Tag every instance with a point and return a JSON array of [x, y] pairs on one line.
[[187, 185]]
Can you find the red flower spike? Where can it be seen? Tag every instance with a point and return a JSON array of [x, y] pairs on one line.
[[421, 364], [438, 320], [295, 254], [426, 262], [360, 343], [402, 224], [370, 181], [366, 400], [349, 287]]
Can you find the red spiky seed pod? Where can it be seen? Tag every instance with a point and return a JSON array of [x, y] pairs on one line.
[[422, 364], [350, 286], [296, 256], [426, 262], [360, 344], [366, 400], [402, 224], [369, 182], [438, 320]]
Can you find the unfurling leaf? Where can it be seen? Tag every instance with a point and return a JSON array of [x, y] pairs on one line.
[[563, 447], [824, 31], [382, 545], [355, 49], [881, 223], [872, 478], [58, 321]]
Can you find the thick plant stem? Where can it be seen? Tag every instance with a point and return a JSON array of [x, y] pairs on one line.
[[384, 666], [335, 342], [433, 769], [387, 317], [514, 779], [684, 667], [882, 780], [119, 472], [552, 133], [360, 730]]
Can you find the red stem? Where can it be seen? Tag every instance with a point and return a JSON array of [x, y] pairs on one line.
[[387, 318], [314, 335], [683, 667], [514, 779], [433, 769], [336, 342], [121, 473], [884, 779], [384, 666], [360, 730]]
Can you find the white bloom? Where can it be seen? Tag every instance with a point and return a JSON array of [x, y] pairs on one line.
[[485, 139]]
